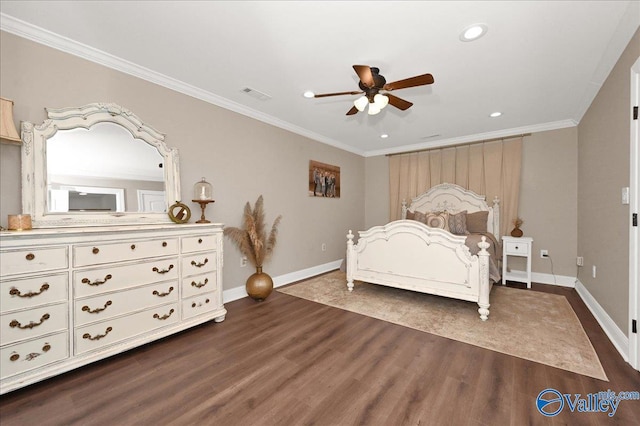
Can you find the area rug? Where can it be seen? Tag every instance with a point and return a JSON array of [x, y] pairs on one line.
[[536, 326]]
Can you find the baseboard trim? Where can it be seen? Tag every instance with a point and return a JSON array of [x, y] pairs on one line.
[[618, 338], [541, 278], [239, 292]]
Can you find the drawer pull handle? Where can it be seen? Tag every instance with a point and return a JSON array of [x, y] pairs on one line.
[[33, 355], [133, 246], [15, 292], [85, 308], [95, 250], [97, 336], [163, 271], [516, 247], [194, 304], [156, 293], [199, 285], [16, 323], [200, 265], [199, 240], [164, 244], [30, 256], [164, 317], [97, 282]]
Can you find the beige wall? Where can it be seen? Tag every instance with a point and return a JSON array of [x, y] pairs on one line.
[[240, 156], [548, 203], [603, 170]]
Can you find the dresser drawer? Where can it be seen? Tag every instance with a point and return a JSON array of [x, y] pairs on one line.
[[30, 292], [25, 356], [23, 325], [105, 333], [199, 284], [96, 254], [35, 260], [516, 249], [199, 243], [199, 305], [198, 264], [106, 306], [91, 282]]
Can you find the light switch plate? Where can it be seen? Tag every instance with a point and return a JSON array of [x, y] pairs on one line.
[[625, 195]]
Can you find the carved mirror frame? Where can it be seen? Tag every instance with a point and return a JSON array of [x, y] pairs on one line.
[[34, 166]]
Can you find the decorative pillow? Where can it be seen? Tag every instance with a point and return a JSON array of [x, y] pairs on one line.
[[458, 223], [410, 215], [477, 221], [438, 220], [420, 217]]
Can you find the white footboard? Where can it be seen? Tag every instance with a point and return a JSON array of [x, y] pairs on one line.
[[408, 254]]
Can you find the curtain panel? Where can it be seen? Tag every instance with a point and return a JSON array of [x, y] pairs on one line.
[[488, 168]]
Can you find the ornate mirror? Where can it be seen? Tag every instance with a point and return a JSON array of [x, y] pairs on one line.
[[96, 165]]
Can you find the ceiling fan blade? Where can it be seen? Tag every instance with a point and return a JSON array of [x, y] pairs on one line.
[[365, 74], [419, 80], [397, 102], [324, 95], [352, 111]]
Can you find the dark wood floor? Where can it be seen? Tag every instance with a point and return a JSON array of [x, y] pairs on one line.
[[290, 361]]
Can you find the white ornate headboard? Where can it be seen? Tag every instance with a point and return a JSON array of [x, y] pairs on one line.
[[453, 199]]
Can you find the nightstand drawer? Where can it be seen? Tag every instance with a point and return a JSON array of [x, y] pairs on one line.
[[521, 249]]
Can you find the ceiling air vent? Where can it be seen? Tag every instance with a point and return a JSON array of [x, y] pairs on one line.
[[256, 94]]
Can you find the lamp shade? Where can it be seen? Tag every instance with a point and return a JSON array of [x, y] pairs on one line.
[[8, 130], [202, 190], [373, 109], [381, 100], [361, 103]]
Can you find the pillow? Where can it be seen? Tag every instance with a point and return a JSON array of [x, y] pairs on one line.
[[420, 217], [438, 220], [410, 215], [458, 223], [477, 221]]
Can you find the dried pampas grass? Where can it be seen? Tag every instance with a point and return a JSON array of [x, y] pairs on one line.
[[252, 239]]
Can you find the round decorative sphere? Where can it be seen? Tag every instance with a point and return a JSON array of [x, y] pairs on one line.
[[259, 285]]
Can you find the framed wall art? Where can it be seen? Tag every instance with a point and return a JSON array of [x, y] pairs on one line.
[[324, 180]]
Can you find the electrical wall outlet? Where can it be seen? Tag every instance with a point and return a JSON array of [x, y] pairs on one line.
[[580, 261], [544, 253], [324, 247], [243, 261]]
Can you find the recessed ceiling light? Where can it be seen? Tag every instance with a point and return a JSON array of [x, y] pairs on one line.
[[473, 32], [495, 114], [384, 136], [308, 94]]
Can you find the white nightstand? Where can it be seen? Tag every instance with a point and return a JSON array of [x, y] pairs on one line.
[[516, 246]]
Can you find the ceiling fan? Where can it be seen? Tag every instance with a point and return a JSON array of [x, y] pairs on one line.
[[372, 84]]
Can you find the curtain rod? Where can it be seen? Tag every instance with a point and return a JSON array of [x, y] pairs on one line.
[[521, 135]]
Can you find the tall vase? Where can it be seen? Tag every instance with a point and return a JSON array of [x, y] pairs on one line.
[[259, 285]]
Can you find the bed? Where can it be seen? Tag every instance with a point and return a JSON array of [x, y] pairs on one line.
[[448, 258]]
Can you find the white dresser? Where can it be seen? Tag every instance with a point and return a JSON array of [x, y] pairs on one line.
[[71, 296]]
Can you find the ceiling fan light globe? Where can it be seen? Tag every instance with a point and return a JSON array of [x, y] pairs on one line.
[[381, 100], [373, 109], [361, 103]]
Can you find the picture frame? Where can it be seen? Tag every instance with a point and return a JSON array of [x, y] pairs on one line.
[[324, 180]]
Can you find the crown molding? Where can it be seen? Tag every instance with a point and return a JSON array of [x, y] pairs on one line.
[[67, 45], [476, 138]]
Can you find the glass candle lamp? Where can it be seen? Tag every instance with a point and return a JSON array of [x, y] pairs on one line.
[[203, 195], [202, 190]]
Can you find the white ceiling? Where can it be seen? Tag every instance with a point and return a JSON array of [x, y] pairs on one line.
[[541, 63]]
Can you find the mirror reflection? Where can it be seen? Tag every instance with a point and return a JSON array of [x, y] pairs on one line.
[[103, 169]]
